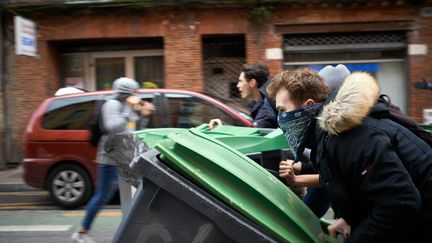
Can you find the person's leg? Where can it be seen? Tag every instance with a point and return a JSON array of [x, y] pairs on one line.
[[317, 201], [106, 187]]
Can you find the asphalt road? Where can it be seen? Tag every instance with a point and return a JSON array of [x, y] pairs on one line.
[[32, 217], [53, 226]]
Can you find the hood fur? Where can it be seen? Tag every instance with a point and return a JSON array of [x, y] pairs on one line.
[[358, 93]]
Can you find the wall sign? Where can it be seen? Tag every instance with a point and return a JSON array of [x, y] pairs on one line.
[[25, 37]]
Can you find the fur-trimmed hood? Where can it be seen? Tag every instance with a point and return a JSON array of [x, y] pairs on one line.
[[353, 101]]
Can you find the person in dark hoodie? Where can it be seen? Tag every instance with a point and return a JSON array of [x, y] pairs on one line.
[[252, 84], [375, 172], [118, 115]]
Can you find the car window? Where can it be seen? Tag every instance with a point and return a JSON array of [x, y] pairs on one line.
[[187, 111], [70, 113], [240, 112], [146, 96], [147, 122]]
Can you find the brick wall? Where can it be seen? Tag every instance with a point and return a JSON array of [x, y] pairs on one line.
[[419, 67], [32, 82], [182, 52], [33, 79], [260, 38]]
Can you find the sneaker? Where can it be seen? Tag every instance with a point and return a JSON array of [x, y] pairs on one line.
[[81, 238]]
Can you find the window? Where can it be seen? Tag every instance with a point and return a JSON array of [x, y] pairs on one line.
[[97, 70], [69, 114], [342, 47], [149, 69], [108, 70], [223, 57], [186, 111], [72, 70], [149, 122]]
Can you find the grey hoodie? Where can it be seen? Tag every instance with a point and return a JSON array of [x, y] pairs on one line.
[[116, 115]]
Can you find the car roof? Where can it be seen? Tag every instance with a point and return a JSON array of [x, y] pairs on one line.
[[107, 92], [149, 91]]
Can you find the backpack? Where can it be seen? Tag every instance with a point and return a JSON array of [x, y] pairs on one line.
[[396, 115], [95, 126]]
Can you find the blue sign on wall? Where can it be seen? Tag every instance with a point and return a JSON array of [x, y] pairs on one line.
[[363, 67], [27, 41]]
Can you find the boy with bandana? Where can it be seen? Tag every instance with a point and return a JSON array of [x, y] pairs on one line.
[[305, 174]]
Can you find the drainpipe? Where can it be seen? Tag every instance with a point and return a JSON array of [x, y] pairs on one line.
[[6, 138]]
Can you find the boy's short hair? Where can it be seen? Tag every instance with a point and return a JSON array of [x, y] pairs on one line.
[[302, 84], [259, 72]]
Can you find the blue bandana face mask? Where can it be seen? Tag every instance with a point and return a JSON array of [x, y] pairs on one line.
[[296, 125]]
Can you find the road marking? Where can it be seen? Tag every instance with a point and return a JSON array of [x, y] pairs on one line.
[[17, 207], [23, 205], [18, 228], [101, 214], [24, 193]]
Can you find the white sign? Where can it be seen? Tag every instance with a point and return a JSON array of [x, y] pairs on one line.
[[274, 54], [25, 37], [417, 49]]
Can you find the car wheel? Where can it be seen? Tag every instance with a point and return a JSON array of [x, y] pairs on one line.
[[70, 186]]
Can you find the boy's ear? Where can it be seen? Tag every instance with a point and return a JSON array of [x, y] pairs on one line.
[[253, 83], [309, 102]]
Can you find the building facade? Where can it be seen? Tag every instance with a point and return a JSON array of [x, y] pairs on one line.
[[201, 45]]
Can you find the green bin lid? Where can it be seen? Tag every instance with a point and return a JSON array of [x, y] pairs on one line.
[[154, 135], [244, 139], [240, 183], [427, 127]]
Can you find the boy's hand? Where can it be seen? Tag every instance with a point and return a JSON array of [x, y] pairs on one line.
[[286, 171], [340, 226], [213, 123], [132, 101]]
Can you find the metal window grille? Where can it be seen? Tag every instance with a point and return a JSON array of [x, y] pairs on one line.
[[344, 38], [344, 46], [223, 59]]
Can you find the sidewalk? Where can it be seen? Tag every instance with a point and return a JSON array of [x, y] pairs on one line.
[[11, 180]]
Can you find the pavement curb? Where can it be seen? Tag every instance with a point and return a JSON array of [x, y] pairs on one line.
[[11, 180]]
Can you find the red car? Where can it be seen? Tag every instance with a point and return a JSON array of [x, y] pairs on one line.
[[58, 157]]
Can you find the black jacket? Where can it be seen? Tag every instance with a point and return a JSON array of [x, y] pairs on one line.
[[376, 173], [263, 112]]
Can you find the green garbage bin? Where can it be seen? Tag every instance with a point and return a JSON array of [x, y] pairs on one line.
[[169, 208], [216, 162]]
